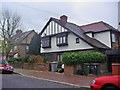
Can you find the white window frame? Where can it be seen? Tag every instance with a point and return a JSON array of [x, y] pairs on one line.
[[113, 38], [27, 47]]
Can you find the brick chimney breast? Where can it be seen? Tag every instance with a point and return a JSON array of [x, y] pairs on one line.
[[63, 18]]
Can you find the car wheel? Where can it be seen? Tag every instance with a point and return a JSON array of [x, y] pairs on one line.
[[109, 88], [11, 72]]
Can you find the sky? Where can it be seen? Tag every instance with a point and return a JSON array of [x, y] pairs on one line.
[[36, 13]]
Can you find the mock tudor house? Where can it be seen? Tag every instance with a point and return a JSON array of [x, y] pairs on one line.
[[22, 41], [59, 36]]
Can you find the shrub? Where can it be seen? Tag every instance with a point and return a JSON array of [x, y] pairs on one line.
[[14, 60], [73, 58]]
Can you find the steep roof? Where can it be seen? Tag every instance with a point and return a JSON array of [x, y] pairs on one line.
[[97, 27], [79, 32], [18, 38]]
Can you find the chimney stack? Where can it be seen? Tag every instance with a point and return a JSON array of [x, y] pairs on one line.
[[18, 32], [63, 18]]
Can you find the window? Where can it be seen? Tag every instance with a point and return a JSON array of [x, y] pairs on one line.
[[62, 39], [46, 42], [113, 37], [27, 47], [77, 40], [59, 57], [92, 34]]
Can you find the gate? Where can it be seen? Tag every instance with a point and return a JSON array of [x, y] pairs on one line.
[[112, 59], [113, 56]]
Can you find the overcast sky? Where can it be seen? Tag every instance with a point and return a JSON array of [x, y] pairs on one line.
[[36, 14]]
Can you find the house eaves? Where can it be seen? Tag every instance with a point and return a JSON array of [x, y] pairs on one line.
[[78, 32]]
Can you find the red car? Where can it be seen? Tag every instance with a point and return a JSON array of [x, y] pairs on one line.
[[106, 83], [5, 67]]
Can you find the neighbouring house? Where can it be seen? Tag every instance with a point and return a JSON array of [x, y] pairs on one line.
[[22, 41], [59, 36]]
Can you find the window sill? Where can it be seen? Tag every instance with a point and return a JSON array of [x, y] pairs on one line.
[[47, 47], [62, 44]]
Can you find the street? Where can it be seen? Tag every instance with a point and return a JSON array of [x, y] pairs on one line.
[[19, 81]]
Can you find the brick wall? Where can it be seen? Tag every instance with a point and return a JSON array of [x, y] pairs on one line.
[[68, 70], [22, 50], [115, 68], [42, 67]]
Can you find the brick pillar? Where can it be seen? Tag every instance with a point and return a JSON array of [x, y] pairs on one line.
[[115, 68], [68, 70]]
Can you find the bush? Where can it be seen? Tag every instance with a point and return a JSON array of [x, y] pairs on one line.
[[18, 60], [14, 60], [73, 58]]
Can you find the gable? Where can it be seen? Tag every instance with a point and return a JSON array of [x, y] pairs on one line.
[[27, 40], [53, 28]]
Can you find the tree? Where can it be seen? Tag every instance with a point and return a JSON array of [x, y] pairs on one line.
[[9, 23], [34, 47]]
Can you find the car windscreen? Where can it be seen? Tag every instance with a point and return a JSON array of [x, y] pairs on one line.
[[3, 62]]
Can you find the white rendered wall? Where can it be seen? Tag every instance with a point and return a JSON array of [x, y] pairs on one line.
[[71, 45], [103, 37]]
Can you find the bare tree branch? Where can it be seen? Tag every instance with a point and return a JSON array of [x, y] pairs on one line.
[[9, 23]]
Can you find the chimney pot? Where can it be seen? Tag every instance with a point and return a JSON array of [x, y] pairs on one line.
[[18, 32], [63, 18]]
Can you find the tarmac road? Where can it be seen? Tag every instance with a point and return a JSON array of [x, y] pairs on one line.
[[19, 81]]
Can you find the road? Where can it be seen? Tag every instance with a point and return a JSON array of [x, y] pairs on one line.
[[19, 81]]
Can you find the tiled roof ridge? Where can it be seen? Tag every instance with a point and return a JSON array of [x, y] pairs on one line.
[[92, 23], [27, 31]]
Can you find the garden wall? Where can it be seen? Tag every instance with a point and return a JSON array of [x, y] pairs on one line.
[[42, 67], [74, 69], [68, 70]]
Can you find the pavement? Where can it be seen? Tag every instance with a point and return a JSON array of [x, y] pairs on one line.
[[80, 81]]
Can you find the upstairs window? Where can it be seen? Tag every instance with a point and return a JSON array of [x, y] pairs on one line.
[[113, 37], [77, 40], [46, 42], [92, 34], [62, 39]]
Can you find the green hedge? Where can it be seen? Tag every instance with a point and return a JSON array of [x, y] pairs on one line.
[[74, 58]]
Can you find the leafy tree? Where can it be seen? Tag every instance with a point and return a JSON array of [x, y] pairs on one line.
[[34, 47], [9, 23]]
